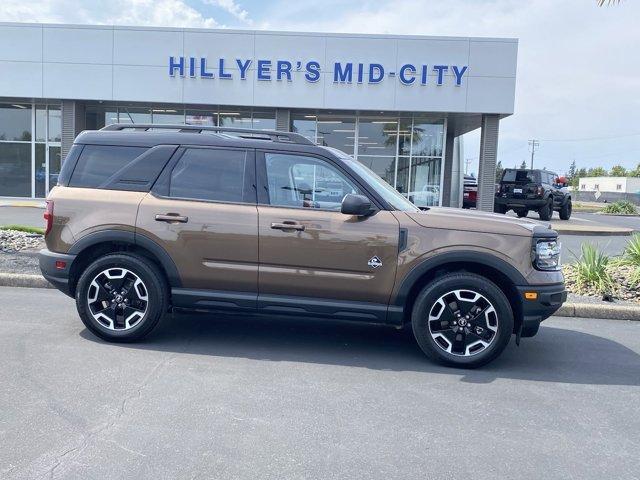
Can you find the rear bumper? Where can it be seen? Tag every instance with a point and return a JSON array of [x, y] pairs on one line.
[[530, 203], [55, 267], [548, 301]]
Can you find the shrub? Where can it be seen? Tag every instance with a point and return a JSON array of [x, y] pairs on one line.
[[631, 254], [591, 269], [23, 228], [621, 207]]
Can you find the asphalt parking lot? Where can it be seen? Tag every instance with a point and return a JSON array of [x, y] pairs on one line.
[[232, 397]]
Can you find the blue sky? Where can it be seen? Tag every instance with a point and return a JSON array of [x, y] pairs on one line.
[[578, 88]]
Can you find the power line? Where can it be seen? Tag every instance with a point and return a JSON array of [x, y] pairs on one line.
[[586, 139], [534, 143]]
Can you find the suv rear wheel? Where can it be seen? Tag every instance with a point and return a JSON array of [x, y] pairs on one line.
[[121, 297], [462, 320], [499, 208], [565, 211], [546, 212]]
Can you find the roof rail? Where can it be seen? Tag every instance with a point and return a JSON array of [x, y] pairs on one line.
[[273, 135]]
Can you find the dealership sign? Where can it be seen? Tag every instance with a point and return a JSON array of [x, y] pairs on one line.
[[343, 72]]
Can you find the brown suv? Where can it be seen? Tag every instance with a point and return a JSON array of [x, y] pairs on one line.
[[147, 218]]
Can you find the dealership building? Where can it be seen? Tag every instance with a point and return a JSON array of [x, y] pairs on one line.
[[396, 103]]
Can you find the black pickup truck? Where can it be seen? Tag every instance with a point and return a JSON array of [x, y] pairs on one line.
[[522, 190]]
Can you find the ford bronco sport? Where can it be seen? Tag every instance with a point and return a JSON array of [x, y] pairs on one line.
[[145, 219], [522, 190]]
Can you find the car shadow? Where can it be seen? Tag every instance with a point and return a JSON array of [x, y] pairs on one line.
[[554, 355]]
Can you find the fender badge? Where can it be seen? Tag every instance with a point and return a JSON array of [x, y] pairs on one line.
[[374, 262]]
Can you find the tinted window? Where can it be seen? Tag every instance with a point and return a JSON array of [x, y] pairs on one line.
[[98, 162], [305, 182], [209, 174], [520, 176]]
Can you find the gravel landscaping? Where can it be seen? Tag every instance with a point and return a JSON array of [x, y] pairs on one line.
[[622, 291], [19, 252]]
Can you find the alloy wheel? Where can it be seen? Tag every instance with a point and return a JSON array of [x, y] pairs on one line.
[[463, 322], [117, 298]]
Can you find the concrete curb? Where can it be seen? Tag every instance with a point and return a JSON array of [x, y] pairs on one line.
[[23, 280], [593, 231], [581, 310], [592, 310]]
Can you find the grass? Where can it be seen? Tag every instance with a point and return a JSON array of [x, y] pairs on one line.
[[620, 208], [23, 228], [591, 269]]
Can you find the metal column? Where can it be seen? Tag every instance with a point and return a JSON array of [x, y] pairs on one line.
[[487, 163], [73, 122]]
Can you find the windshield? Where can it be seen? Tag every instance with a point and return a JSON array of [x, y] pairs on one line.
[[386, 191]]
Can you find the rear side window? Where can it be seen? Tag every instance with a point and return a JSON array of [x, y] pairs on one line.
[[98, 162], [210, 174], [520, 176]]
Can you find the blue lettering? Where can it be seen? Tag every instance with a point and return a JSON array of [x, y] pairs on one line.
[[283, 68], [222, 74], [192, 67], [244, 67], [203, 69], [458, 73], [373, 69], [173, 65], [441, 69], [264, 69], [411, 71], [423, 77], [340, 75], [313, 71], [360, 72]]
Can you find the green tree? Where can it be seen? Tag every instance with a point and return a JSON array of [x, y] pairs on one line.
[[523, 164], [499, 171], [635, 173], [597, 172], [572, 171], [618, 171], [582, 173]]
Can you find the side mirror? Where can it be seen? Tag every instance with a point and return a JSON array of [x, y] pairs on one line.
[[358, 205]]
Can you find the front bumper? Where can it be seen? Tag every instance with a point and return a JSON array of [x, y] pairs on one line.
[[548, 299], [55, 267]]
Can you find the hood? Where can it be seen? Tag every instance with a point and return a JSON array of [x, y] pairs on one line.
[[475, 221]]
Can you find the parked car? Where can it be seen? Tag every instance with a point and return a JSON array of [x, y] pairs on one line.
[[523, 190], [469, 192], [146, 218]]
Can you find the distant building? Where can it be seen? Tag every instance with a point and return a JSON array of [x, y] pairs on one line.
[[609, 184]]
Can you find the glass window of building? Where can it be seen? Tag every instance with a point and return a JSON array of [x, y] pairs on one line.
[[15, 122], [337, 132], [424, 190], [304, 124], [238, 118], [384, 167], [15, 169], [134, 115], [41, 123], [427, 137], [404, 136], [54, 120], [41, 170], [97, 117], [264, 120], [202, 117], [167, 116], [377, 136]]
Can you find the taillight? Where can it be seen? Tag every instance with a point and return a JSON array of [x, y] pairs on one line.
[[540, 191], [48, 217]]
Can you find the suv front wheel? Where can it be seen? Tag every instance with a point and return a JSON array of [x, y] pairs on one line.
[[121, 297], [462, 320], [546, 212]]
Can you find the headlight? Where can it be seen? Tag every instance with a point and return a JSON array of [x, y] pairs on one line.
[[546, 254]]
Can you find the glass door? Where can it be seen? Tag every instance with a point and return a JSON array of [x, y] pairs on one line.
[[48, 133]]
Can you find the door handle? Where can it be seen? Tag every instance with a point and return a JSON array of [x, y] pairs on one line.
[[287, 226], [172, 218]]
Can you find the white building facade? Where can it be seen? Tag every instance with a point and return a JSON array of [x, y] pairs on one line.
[[396, 103], [609, 184]]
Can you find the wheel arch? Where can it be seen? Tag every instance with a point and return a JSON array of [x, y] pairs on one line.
[[504, 275], [101, 243]]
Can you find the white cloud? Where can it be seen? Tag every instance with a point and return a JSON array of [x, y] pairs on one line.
[[161, 13], [230, 6]]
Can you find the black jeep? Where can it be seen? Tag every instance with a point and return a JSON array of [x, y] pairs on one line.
[[522, 190]]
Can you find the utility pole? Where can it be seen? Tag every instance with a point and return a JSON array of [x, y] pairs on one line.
[[467, 162], [534, 143]]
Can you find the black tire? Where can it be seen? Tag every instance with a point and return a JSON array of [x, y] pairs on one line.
[[499, 208], [546, 212], [153, 284], [565, 211], [429, 299], [522, 212]]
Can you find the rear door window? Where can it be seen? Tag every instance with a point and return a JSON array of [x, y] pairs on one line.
[[210, 174], [520, 176], [98, 162]]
